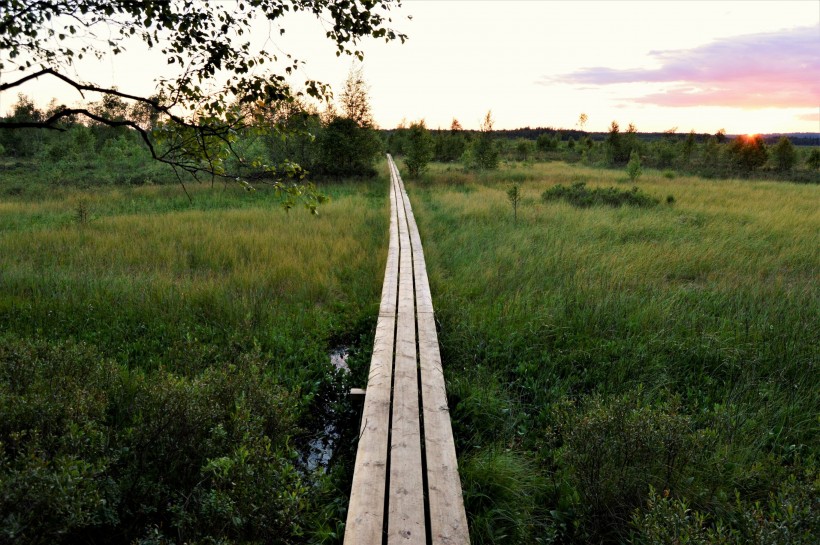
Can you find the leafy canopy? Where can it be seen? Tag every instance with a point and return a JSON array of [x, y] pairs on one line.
[[220, 82]]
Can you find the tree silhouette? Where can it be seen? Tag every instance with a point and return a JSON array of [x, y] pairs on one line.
[[201, 109]]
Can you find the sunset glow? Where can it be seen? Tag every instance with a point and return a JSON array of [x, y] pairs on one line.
[[744, 66]]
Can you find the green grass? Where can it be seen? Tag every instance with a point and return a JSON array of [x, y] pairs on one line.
[[149, 269], [163, 362], [711, 300], [169, 360]]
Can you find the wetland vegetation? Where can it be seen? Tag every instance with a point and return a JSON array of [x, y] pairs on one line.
[[615, 373]]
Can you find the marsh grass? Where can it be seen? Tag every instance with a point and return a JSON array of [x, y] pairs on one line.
[[178, 310], [149, 271], [713, 300]]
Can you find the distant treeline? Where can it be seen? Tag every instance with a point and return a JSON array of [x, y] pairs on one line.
[[710, 155], [532, 133], [297, 140]]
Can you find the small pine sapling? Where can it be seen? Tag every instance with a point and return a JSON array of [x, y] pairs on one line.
[[514, 196]]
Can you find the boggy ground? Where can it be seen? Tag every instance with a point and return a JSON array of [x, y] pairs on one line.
[[164, 364], [625, 374], [615, 374]]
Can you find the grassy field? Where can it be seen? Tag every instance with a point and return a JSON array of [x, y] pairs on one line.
[[623, 374], [164, 363], [593, 353]]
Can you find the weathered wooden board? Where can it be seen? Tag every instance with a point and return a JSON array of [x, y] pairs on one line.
[[406, 500], [405, 421], [448, 520], [365, 521]]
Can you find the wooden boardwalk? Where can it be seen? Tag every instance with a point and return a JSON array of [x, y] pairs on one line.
[[406, 487]]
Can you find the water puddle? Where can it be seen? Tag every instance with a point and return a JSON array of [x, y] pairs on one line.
[[320, 448], [338, 358]]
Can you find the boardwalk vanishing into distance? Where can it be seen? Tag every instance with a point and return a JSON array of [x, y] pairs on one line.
[[406, 488]]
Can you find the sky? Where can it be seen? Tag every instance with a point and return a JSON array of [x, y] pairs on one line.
[[748, 66]]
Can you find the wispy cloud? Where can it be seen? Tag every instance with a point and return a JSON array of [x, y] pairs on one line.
[[810, 117], [778, 69]]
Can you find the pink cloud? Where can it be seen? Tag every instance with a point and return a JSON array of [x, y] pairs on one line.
[[778, 69]]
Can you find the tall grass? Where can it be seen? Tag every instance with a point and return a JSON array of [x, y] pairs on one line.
[[165, 362], [150, 270], [711, 298]]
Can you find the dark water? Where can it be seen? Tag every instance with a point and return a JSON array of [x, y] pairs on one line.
[[319, 450]]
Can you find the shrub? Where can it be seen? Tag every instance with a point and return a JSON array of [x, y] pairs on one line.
[[614, 449], [633, 168], [92, 452], [789, 517], [546, 142], [784, 154], [419, 149], [579, 195], [667, 520]]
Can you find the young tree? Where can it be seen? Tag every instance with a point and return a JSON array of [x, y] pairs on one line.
[[546, 142], [207, 42], [813, 161], [355, 99], [710, 158], [784, 154], [582, 121], [419, 149], [523, 149], [633, 168], [24, 142], [614, 145], [688, 147], [514, 196], [484, 150]]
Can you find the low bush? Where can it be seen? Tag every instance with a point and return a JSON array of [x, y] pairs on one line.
[[579, 195], [611, 450], [93, 452], [790, 516]]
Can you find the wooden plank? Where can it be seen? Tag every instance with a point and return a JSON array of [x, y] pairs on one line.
[[448, 519], [365, 516], [424, 301], [406, 307], [391, 271], [406, 523], [366, 508]]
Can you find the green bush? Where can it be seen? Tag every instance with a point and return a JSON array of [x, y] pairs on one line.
[[90, 451], [346, 149], [784, 154], [633, 168], [666, 520], [579, 195], [419, 149], [613, 449], [790, 516]]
